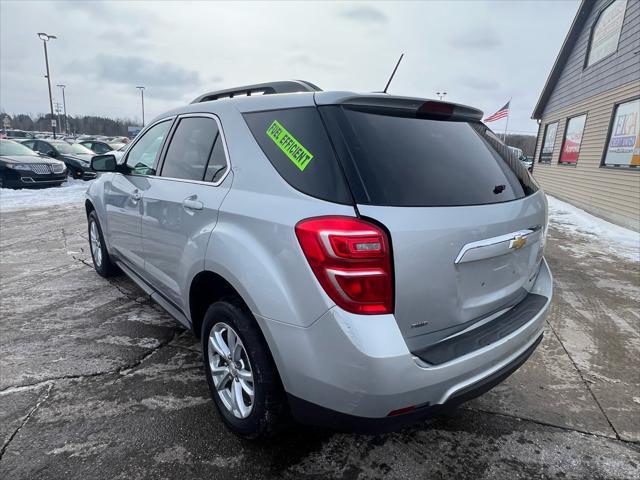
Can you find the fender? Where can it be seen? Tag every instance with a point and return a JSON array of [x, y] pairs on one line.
[[261, 258]]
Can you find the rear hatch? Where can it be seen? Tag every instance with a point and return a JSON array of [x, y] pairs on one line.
[[465, 219]]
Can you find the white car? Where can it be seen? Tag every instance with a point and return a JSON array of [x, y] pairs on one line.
[[119, 152]]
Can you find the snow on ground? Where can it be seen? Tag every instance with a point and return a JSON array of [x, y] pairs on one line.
[[72, 191], [599, 234]]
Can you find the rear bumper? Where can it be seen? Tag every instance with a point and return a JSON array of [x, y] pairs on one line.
[[307, 412], [360, 366]]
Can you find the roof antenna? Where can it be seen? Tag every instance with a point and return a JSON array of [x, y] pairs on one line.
[[393, 73]]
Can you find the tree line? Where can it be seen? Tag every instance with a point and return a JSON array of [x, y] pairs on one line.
[[76, 124], [118, 127], [527, 143]]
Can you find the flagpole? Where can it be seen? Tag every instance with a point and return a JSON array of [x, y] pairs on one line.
[[507, 124]]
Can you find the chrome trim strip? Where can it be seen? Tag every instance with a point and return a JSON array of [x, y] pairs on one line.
[[495, 246]]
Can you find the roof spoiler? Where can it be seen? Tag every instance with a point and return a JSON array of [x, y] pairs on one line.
[[412, 107], [285, 86]]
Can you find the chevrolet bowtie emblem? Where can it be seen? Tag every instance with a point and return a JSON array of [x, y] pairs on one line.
[[518, 242]]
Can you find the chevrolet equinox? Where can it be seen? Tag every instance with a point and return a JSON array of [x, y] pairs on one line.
[[358, 261]]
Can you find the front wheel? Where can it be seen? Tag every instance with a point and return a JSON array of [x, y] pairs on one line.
[[241, 374], [101, 260]]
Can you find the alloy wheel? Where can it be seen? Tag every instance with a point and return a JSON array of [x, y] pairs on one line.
[[231, 370], [96, 247]]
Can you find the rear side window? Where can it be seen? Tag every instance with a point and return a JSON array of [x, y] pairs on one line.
[[192, 149], [296, 143], [407, 161]]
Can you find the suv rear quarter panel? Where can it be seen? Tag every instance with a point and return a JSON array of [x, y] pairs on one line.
[[254, 246]]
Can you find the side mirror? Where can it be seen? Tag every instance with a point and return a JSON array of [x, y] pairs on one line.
[[52, 154], [104, 163]]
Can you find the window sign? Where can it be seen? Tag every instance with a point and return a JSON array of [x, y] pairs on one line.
[[548, 142], [623, 148], [572, 140], [606, 33]]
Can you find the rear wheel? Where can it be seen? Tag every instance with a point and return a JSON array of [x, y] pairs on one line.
[[101, 260], [242, 377]]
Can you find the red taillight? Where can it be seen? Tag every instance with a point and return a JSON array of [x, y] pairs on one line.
[[351, 259]]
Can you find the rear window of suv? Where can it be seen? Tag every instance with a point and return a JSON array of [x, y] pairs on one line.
[[408, 161], [296, 143]]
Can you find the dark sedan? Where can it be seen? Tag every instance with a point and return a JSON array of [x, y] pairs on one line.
[[75, 156], [101, 147], [22, 167]]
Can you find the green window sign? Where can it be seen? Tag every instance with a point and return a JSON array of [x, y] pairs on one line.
[[289, 145]]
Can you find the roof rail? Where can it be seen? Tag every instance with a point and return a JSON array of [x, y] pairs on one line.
[[285, 86]]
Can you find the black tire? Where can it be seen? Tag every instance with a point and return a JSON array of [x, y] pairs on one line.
[[104, 266], [75, 173], [270, 409]]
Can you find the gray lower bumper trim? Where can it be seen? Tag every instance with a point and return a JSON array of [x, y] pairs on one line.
[[484, 335]]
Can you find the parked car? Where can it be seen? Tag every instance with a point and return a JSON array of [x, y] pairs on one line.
[[101, 147], [22, 167], [17, 134], [75, 156], [119, 153], [328, 252], [84, 138], [527, 161], [117, 140]]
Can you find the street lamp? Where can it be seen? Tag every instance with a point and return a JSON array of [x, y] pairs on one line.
[[64, 105], [441, 95], [142, 96], [45, 37]]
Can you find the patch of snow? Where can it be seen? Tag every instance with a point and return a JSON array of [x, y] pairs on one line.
[[597, 233], [72, 191]]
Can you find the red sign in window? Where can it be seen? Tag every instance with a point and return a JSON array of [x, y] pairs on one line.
[[572, 140]]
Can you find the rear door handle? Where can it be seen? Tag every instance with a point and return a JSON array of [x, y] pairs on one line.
[[192, 204]]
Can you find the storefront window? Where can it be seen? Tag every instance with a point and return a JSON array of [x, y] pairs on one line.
[[606, 32], [548, 141], [572, 140], [623, 147]]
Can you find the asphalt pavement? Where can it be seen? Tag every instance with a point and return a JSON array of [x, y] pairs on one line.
[[97, 382]]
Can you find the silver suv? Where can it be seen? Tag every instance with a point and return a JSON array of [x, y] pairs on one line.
[[359, 261]]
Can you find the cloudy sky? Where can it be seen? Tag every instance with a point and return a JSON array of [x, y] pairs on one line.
[[480, 52]]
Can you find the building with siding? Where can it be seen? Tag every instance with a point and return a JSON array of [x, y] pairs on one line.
[[588, 146]]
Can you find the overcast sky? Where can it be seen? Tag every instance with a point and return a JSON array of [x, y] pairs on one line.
[[480, 53]]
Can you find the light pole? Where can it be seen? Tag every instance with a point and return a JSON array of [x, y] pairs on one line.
[[142, 96], [58, 109], [45, 37], [64, 105], [441, 95]]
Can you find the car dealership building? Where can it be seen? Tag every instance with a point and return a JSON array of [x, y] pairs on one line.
[[588, 146]]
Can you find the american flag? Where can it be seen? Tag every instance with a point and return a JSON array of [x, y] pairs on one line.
[[503, 112]]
